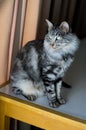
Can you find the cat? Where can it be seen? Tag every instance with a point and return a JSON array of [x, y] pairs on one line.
[[41, 64]]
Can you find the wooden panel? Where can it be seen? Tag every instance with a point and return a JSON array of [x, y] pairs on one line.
[[6, 9], [4, 121], [31, 21]]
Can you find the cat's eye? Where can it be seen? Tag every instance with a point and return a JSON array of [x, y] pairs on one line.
[[59, 34], [57, 38]]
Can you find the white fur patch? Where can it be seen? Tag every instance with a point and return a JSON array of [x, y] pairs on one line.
[[51, 76], [28, 88], [58, 89], [34, 58]]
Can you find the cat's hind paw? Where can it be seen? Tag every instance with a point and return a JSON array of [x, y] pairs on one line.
[[61, 100], [54, 104], [30, 97]]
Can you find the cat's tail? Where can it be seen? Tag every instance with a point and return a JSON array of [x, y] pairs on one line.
[[64, 84]]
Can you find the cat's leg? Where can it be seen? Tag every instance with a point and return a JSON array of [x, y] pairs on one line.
[[27, 89], [48, 79], [51, 95], [60, 99]]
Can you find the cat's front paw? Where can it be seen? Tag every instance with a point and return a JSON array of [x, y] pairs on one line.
[[54, 104], [61, 100]]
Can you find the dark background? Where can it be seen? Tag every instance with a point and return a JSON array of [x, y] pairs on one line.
[[72, 11]]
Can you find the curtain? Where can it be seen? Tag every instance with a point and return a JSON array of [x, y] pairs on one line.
[[79, 21], [6, 11], [72, 11], [12, 14], [17, 30]]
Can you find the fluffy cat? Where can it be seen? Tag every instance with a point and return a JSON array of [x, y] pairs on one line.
[[40, 65]]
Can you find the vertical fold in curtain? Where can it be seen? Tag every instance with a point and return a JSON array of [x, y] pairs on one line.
[[31, 20], [62, 10], [43, 14], [17, 22], [6, 12], [23, 14], [79, 21], [12, 34], [71, 10]]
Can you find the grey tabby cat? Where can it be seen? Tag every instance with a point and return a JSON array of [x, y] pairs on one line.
[[40, 65]]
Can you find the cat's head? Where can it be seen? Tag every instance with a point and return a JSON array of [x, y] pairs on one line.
[[59, 37]]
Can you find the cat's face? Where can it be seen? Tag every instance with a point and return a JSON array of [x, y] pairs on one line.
[[59, 37]]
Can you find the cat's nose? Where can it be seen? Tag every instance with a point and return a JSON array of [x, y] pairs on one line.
[[53, 45]]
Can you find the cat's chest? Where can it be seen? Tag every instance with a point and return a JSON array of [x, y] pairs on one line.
[[63, 61]]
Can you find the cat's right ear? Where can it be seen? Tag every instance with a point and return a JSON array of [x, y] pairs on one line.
[[64, 26], [50, 25]]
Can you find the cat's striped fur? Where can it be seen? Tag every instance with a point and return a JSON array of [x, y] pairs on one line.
[[40, 65]]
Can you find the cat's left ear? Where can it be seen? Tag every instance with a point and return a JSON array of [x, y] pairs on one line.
[[50, 25], [64, 26]]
